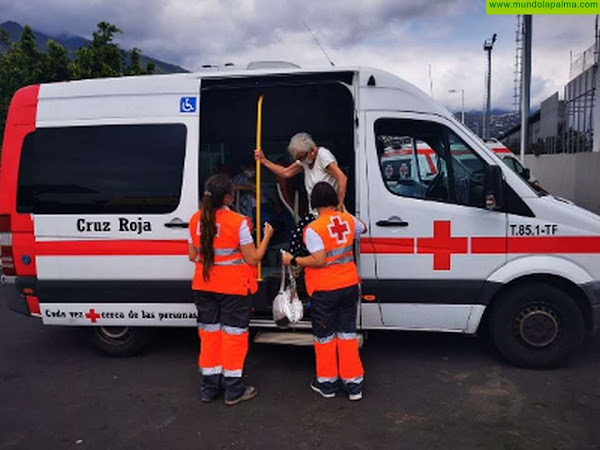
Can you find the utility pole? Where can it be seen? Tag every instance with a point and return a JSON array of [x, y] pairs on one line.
[[526, 86], [518, 65], [488, 45], [595, 116]]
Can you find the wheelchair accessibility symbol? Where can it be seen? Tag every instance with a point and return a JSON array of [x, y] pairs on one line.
[[187, 105]]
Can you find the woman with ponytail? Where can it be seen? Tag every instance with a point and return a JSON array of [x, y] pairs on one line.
[[225, 257]]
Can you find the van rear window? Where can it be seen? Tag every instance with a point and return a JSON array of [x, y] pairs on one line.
[[102, 169]]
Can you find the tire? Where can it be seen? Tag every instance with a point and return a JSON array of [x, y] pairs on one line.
[[119, 341], [536, 325]]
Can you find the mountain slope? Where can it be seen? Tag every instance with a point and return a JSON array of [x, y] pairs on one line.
[[73, 42]]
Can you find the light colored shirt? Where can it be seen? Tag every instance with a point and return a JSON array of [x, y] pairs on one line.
[[318, 172], [314, 243]]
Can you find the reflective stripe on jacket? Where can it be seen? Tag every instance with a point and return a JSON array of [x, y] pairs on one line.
[[230, 274], [337, 231]]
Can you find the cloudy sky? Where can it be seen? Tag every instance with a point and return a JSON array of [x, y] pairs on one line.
[[401, 36]]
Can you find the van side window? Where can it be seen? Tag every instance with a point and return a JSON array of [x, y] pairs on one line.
[[102, 169], [426, 160]]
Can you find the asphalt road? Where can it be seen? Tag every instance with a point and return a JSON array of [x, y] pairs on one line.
[[422, 391]]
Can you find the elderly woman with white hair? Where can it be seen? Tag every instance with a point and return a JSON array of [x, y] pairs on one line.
[[318, 164]]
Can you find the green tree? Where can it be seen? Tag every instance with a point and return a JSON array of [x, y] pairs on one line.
[[102, 58], [22, 63], [27, 59], [4, 38], [135, 66], [58, 65], [150, 68]]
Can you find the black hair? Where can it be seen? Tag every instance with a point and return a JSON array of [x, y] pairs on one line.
[[215, 190], [323, 195]]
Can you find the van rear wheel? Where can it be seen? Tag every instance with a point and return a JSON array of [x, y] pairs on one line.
[[536, 325], [120, 341]]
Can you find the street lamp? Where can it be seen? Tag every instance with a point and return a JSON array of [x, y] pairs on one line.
[[488, 45], [462, 97]]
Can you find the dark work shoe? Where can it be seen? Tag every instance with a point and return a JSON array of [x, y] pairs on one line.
[[315, 387], [248, 394], [206, 399], [210, 396]]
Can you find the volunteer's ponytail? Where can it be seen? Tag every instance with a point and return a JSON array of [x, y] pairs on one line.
[[215, 190]]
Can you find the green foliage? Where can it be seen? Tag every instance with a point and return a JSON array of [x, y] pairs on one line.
[[23, 64], [20, 65], [135, 68], [4, 38], [57, 63], [134, 64], [100, 59]]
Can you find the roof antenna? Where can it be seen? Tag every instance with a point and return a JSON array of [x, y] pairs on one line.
[[319, 44]]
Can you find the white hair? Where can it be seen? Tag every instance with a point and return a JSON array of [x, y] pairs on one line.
[[300, 144]]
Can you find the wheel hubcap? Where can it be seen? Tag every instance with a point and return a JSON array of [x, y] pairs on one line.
[[114, 332], [537, 325]]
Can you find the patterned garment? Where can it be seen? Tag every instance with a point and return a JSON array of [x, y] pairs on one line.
[[297, 247]]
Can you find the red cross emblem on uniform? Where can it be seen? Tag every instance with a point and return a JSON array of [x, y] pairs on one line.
[[442, 245], [338, 229]]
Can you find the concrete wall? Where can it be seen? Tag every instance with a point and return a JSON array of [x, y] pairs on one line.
[[549, 117], [575, 176]]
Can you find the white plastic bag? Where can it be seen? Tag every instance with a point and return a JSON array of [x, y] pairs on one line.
[[287, 307]]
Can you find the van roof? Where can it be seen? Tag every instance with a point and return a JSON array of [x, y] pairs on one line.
[[185, 83], [383, 79]]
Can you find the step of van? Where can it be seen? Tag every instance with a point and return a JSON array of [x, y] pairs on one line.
[[284, 337]]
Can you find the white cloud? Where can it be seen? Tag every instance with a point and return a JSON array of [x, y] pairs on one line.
[[402, 36]]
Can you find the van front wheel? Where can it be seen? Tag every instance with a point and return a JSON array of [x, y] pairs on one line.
[[119, 341], [536, 325]]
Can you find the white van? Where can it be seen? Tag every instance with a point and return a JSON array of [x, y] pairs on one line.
[[99, 179]]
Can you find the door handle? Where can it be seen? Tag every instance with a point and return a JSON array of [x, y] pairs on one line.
[[393, 221], [176, 223]]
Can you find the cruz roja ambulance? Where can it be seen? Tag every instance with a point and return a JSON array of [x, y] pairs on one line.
[[100, 177]]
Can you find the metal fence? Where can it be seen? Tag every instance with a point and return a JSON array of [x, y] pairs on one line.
[[583, 62], [580, 96]]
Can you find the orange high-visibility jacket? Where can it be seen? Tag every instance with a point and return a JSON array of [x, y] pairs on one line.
[[230, 274], [337, 231]]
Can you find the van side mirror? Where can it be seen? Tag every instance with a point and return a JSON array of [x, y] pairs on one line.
[[494, 188]]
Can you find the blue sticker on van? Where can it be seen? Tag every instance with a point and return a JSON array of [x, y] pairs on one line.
[[187, 104]]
